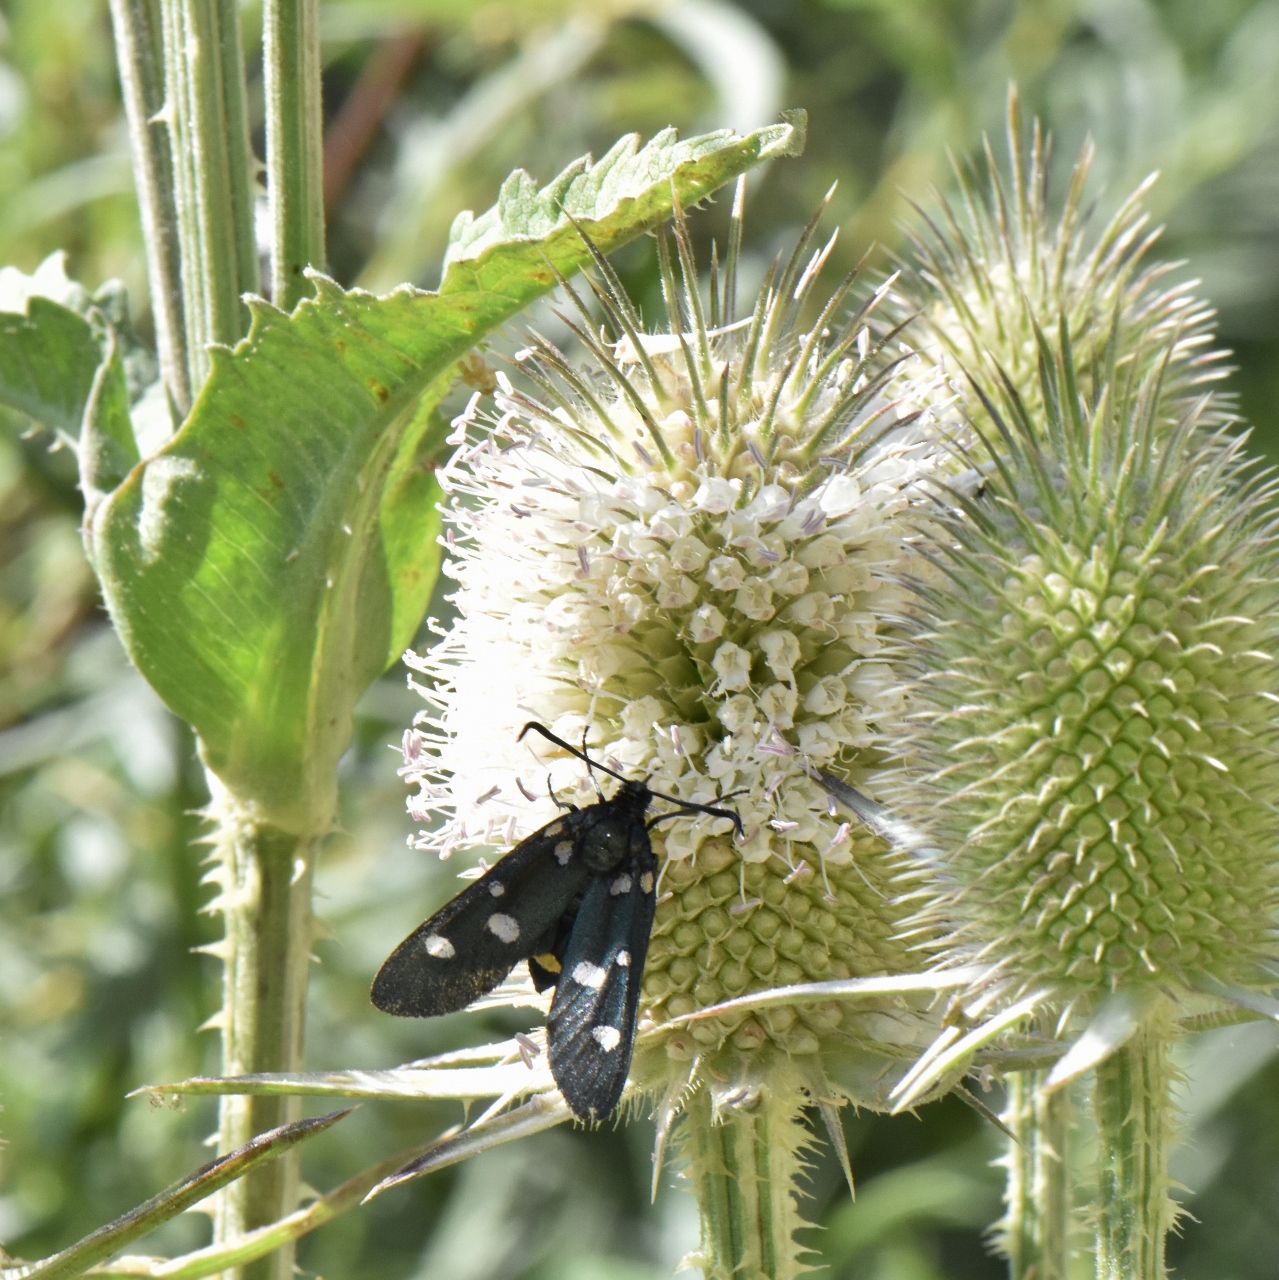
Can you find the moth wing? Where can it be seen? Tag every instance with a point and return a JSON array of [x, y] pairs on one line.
[[591, 1028], [474, 940]]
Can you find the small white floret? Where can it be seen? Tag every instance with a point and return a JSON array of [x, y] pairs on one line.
[[608, 1038], [439, 947], [502, 927]]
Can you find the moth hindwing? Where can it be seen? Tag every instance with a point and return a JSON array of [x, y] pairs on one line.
[[591, 1028]]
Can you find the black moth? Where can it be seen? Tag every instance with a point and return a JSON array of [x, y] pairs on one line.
[[575, 900]]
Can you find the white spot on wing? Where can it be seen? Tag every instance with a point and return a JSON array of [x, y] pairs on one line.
[[587, 974], [621, 885], [502, 927], [646, 882], [555, 828], [439, 947], [608, 1038], [563, 852], [624, 958], [497, 889]]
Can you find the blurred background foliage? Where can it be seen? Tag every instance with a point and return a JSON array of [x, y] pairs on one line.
[[429, 104]]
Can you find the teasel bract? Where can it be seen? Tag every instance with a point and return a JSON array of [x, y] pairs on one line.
[[1096, 687], [684, 551]]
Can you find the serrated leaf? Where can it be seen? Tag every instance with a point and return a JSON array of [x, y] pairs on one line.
[[55, 336], [275, 556], [171, 1201], [49, 357]]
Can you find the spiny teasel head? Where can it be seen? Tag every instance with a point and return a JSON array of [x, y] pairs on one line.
[[993, 270], [685, 551], [1097, 675]]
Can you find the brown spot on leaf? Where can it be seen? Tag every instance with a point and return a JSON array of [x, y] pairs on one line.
[[275, 480], [237, 421], [380, 393], [476, 373]]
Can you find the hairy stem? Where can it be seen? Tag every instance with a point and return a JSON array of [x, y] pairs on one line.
[[1136, 1122], [1036, 1225], [137, 43], [212, 172], [294, 144], [742, 1158], [264, 878]]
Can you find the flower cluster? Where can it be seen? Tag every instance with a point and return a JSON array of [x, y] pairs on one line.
[[689, 558]]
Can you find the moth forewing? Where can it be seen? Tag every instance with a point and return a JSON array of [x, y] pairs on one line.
[[591, 1028], [472, 942]]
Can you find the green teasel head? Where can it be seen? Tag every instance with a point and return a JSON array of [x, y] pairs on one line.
[[991, 269], [1097, 689]]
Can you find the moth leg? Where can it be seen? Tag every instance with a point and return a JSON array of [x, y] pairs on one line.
[[679, 813], [590, 766], [555, 800]]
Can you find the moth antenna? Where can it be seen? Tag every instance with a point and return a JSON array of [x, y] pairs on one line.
[[573, 751]]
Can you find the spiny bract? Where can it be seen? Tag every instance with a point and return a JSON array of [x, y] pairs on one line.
[[1098, 684]]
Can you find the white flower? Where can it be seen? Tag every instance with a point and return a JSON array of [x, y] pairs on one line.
[[690, 556]]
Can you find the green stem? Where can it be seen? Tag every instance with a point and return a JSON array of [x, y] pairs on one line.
[[1136, 1121], [137, 42], [1037, 1222], [212, 172], [294, 145], [743, 1159], [264, 877]]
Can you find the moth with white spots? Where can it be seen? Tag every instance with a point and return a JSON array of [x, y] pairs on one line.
[[577, 904]]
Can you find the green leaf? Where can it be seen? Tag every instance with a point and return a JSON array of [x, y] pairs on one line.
[[173, 1200], [275, 556], [49, 357]]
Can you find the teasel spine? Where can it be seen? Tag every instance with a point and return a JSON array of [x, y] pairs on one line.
[[1091, 455]]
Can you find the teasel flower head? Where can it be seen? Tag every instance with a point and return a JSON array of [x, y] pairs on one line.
[[1096, 698], [685, 551]]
